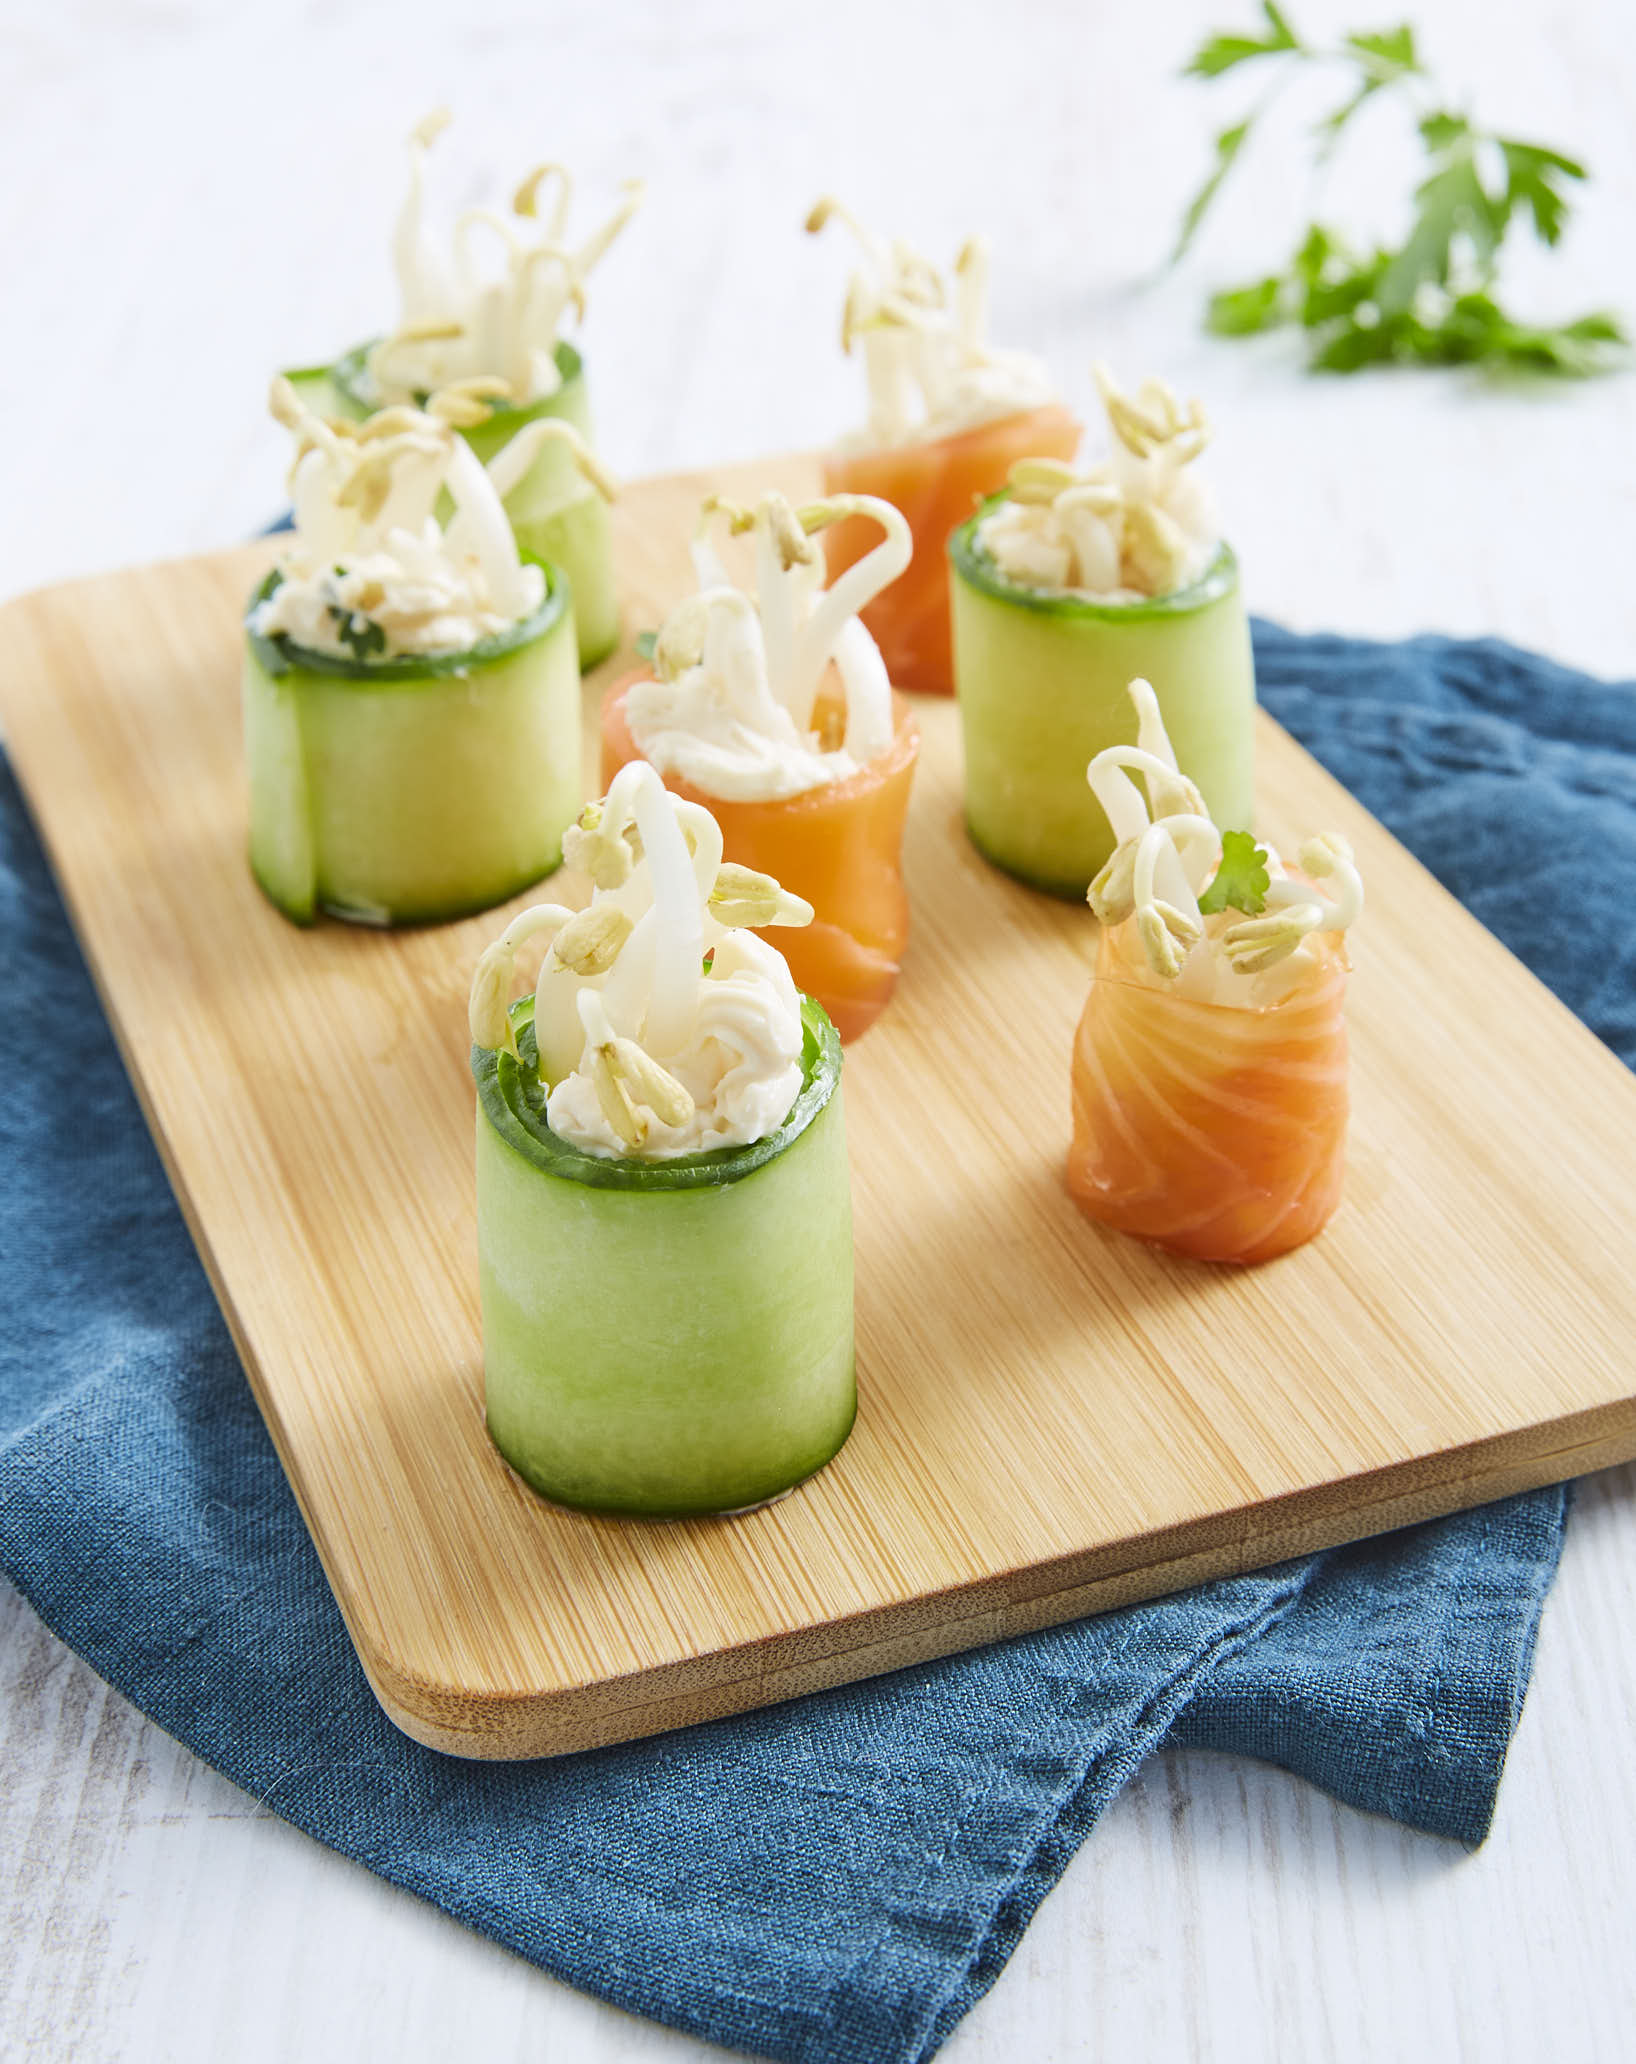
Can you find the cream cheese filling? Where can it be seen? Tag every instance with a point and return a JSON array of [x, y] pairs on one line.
[[1139, 524], [664, 1026], [732, 705], [374, 568]]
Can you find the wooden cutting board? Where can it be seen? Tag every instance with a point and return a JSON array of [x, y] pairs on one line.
[[1054, 1420]]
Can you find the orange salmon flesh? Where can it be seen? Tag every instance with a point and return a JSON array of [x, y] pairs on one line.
[[937, 484], [1215, 1131]]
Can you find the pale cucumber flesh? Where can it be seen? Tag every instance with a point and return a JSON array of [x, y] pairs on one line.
[[555, 514], [668, 1352], [559, 517], [281, 854], [317, 391], [1041, 693], [415, 801], [577, 536]]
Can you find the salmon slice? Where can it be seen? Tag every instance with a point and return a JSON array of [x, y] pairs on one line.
[[840, 846], [1213, 1130], [937, 484]]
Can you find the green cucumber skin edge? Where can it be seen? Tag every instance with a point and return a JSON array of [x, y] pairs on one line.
[[518, 1115], [1040, 680], [671, 1353], [555, 514], [407, 793]]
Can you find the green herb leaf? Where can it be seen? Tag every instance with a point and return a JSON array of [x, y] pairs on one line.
[[1385, 57], [1432, 300], [1533, 178], [1389, 53], [1218, 54], [1241, 881], [1228, 145], [1333, 281], [1353, 345], [362, 637], [1438, 132], [1452, 203], [1243, 311], [1329, 129], [1284, 37], [1592, 344], [645, 642]]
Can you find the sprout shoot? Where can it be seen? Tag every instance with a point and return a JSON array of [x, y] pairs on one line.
[[465, 314], [643, 1047], [732, 706], [1136, 525], [374, 567], [929, 368], [1208, 908]]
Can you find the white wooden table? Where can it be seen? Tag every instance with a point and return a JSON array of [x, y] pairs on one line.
[[191, 196]]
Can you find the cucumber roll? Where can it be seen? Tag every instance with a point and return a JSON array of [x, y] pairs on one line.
[[411, 687], [1066, 587], [498, 323], [664, 1216]]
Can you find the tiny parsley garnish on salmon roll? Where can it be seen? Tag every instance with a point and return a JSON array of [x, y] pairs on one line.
[[1209, 1068], [411, 689], [774, 711], [1064, 587], [663, 1205], [487, 302], [948, 414]]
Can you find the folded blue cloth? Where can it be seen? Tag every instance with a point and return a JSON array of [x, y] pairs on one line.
[[837, 1879]]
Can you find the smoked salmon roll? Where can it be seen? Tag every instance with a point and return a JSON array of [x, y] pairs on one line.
[[1210, 1065], [776, 714], [949, 416]]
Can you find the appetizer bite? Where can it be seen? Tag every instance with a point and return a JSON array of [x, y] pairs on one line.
[[468, 316], [411, 688], [948, 414], [1063, 588], [777, 714], [664, 1219], [1209, 1069]]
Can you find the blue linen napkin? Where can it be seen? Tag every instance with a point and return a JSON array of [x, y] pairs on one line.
[[834, 1881]]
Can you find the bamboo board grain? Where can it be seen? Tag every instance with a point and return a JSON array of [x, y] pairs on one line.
[[1054, 1421]]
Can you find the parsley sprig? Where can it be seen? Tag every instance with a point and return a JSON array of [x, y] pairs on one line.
[[1241, 880], [1432, 301], [361, 635]]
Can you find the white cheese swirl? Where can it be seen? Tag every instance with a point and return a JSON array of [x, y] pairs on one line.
[[741, 1068], [730, 707], [1138, 525], [928, 366], [664, 1027], [371, 570], [427, 608]]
